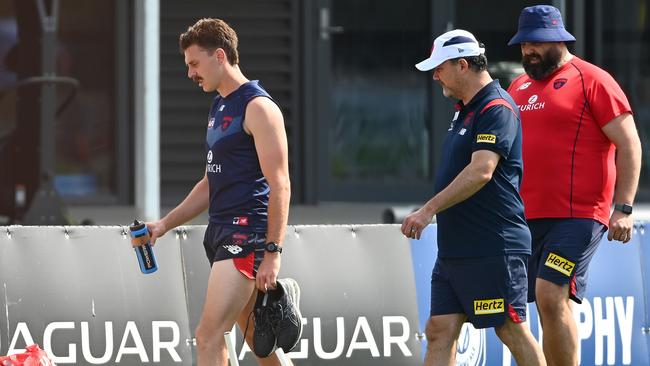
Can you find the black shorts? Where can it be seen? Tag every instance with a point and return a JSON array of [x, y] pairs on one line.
[[486, 289], [243, 246], [562, 251]]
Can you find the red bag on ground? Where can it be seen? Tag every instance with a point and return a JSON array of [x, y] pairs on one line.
[[33, 356]]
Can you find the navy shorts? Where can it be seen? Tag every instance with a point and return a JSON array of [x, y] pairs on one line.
[[562, 251], [486, 289], [243, 246]]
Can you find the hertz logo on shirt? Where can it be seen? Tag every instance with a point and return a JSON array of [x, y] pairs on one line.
[[484, 137], [490, 306], [559, 264]]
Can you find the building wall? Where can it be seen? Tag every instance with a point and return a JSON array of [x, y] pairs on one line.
[[269, 36], [363, 125]]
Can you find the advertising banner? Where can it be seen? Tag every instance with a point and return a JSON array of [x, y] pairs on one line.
[[611, 319], [358, 297], [78, 292]]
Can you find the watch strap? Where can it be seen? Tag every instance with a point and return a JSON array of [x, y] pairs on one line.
[[624, 208]]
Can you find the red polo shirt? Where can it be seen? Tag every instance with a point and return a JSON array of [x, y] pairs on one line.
[[569, 168]]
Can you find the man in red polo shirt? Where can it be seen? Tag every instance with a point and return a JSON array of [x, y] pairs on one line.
[[581, 155]]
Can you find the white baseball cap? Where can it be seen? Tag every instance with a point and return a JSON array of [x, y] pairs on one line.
[[453, 44]]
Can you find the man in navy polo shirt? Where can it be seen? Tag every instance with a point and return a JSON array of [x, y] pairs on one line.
[[480, 274]]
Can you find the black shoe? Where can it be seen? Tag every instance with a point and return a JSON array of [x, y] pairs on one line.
[[266, 321], [290, 322]]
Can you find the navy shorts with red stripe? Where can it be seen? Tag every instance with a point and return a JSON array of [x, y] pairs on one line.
[[486, 289], [243, 245], [562, 251]]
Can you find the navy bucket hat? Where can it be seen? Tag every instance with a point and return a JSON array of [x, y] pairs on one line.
[[541, 23]]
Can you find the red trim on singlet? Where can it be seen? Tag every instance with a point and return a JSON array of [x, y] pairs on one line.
[[494, 102], [513, 314], [246, 264]]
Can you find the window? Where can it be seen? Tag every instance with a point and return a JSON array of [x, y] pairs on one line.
[[622, 47], [88, 119]]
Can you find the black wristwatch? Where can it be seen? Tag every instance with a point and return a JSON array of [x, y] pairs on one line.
[[624, 208], [273, 247]]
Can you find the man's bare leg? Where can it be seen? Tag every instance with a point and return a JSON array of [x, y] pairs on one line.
[[560, 329], [228, 293], [521, 343], [442, 333]]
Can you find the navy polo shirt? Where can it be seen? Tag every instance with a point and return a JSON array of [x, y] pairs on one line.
[[239, 192], [490, 222]]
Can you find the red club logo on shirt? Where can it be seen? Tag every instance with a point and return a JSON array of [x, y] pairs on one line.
[[558, 83], [225, 123]]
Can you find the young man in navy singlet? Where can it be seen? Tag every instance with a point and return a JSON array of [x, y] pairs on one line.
[[578, 127], [245, 187], [483, 240]]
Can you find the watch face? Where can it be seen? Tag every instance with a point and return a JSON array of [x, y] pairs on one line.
[[624, 208], [272, 247]]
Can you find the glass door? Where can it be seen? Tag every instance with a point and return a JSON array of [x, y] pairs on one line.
[[373, 109]]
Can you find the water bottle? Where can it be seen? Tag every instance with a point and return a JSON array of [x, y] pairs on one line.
[[142, 245]]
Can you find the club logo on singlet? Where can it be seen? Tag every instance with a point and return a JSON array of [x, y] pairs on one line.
[[524, 85], [489, 306], [225, 123], [559, 264], [210, 157], [211, 122], [532, 99]]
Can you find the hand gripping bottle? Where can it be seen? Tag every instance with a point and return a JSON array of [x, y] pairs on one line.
[[141, 243]]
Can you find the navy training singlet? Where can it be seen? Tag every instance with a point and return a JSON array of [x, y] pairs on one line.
[[239, 192]]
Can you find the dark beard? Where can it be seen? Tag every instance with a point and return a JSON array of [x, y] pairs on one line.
[[548, 63]]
